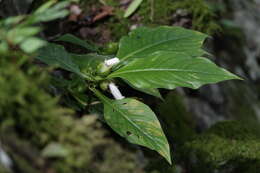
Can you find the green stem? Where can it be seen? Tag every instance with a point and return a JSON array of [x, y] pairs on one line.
[[97, 93]]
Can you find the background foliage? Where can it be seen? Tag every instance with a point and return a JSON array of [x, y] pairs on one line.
[[41, 133]]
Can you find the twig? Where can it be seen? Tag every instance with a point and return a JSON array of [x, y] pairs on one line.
[[152, 10]]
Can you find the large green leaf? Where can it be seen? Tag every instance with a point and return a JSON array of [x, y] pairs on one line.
[[170, 70], [144, 41], [56, 55], [136, 122]]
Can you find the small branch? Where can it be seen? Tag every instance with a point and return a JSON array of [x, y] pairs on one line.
[[152, 10]]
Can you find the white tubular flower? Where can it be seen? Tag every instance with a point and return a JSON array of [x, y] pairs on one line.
[[112, 62], [115, 91], [5, 160]]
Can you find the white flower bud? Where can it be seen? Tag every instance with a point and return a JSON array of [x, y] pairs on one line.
[[112, 62], [115, 91]]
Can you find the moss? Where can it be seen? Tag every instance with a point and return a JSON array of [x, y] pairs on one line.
[[174, 114], [234, 130], [88, 145], [37, 120], [32, 115], [178, 126], [90, 150], [203, 16], [23, 165], [225, 144], [160, 166], [118, 26], [240, 101], [252, 167], [113, 27], [155, 12], [3, 170], [25, 107]]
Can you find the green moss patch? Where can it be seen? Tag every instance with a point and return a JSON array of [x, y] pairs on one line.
[[225, 144]]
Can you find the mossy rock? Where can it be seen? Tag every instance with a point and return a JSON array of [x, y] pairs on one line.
[[178, 126], [203, 16], [89, 150], [200, 14], [25, 106], [86, 147], [3, 170], [227, 144], [155, 12]]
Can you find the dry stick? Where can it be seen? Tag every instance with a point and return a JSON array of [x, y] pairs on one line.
[[152, 10]]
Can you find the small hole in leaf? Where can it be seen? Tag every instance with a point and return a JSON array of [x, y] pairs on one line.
[[113, 110], [128, 133], [124, 103]]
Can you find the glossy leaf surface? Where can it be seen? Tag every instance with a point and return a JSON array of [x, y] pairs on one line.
[[136, 122], [170, 70], [144, 41]]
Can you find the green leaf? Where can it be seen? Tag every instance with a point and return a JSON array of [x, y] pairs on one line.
[[136, 122], [151, 91], [3, 47], [54, 12], [19, 34], [56, 55], [45, 6], [75, 40], [133, 6], [50, 11], [144, 41], [11, 20], [32, 44], [170, 70]]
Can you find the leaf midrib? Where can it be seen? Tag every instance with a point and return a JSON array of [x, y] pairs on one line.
[[158, 70], [145, 134], [73, 68], [70, 65]]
